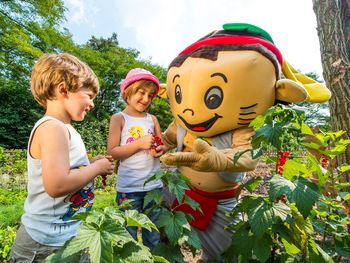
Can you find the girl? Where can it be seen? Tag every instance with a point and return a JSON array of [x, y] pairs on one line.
[[132, 141]]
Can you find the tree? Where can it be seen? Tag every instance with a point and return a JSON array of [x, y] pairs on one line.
[[333, 26], [27, 29]]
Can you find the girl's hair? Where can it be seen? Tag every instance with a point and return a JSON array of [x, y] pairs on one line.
[[135, 86], [52, 69]]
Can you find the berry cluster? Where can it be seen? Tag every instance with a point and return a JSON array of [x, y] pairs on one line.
[[156, 141], [324, 160], [282, 158]]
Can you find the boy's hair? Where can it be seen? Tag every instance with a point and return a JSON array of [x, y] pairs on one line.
[[134, 87], [52, 69]]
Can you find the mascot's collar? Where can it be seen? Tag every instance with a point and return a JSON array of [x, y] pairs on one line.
[[234, 40]]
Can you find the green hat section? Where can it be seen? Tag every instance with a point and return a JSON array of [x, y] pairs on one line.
[[249, 29]]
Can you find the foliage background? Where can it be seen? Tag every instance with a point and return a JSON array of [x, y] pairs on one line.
[[31, 28]]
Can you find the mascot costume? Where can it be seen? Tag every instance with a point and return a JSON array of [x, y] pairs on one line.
[[215, 88]]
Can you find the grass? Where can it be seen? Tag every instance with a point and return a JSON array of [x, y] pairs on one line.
[[11, 204]]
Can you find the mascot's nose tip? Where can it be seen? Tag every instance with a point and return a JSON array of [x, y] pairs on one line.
[[192, 112]]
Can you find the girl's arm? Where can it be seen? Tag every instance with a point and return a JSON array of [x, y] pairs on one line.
[[157, 129], [122, 152], [51, 139]]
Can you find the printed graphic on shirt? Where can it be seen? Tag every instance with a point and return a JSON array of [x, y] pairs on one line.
[[81, 201], [136, 132]]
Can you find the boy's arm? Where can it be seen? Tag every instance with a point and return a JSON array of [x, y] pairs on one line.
[[58, 179], [122, 152]]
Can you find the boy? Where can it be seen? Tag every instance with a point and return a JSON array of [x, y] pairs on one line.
[[60, 176]]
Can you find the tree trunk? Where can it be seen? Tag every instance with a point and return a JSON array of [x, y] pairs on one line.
[[333, 26]]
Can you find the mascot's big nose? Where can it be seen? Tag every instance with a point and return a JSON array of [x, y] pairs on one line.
[[184, 111]]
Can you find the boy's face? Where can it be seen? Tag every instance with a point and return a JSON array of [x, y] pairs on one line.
[[211, 97], [79, 103]]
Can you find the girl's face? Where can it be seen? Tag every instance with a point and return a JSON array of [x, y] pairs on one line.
[[80, 103], [142, 99]]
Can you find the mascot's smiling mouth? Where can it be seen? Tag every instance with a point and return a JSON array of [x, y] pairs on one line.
[[203, 126]]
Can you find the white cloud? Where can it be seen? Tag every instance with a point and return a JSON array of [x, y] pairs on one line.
[[81, 12], [161, 29]]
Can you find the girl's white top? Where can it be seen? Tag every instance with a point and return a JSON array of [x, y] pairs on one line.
[[47, 219], [135, 170]]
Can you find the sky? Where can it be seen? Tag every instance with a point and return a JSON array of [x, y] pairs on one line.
[[161, 29]]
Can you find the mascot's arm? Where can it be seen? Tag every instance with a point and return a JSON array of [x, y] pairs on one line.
[[169, 136], [207, 158]]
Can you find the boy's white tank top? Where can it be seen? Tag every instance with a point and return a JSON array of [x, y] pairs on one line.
[[135, 170], [47, 219]]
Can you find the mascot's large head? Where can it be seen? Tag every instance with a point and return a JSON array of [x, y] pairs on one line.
[[227, 78]]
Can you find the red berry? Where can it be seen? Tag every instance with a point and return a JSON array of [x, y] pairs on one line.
[[283, 198], [156, 141]]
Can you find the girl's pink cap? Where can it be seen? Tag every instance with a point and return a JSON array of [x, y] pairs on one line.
[[138, 74]]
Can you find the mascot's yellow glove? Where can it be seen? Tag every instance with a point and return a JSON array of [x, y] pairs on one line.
[[206, 158]]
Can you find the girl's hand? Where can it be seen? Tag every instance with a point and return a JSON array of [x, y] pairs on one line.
[[145, 142], [158, 151]]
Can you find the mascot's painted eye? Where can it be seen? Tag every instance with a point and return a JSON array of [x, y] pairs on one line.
[[213, 97], [178, 94]]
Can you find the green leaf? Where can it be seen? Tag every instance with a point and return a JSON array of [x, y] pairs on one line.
[[258, 122], [262, 248], [178, 187], [171, 253], [344, 195], [155, 195], [193, 204], [270, 133], [341, 185], [317, 254], [280, 185], [305, 195], [134, 218], [192, 239], [242, 243], [291, 249], [344, 168], [305, 129], [260, 216], [250, 185], [132, 252], [173, 224], [293, 168], [281, 210]]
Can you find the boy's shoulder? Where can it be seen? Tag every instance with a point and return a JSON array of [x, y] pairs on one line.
[[51, 126]]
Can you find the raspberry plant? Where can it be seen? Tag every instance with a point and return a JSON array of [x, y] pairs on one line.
[[304, 216]]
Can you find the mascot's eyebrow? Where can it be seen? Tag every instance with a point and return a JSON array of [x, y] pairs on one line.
[[220, 75], [176, 76]]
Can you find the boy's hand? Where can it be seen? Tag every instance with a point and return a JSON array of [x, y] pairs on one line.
[[95, 158], [105, 165]]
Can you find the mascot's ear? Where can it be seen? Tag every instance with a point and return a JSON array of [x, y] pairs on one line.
[[162, 91], [318, 92], [290, 91]]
